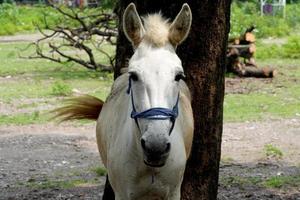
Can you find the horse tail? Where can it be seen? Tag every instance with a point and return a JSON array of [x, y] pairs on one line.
[[83, 107]]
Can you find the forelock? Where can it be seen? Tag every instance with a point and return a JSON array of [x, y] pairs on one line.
[[157, 30]]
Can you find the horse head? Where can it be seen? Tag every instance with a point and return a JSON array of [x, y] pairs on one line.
[[155, 72]]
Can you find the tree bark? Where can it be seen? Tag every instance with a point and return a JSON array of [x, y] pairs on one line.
[[203, 56]]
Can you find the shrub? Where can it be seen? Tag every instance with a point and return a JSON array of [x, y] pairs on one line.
[[244, 15], [15, 18], [272, 151], [61, 89], [290, 49]]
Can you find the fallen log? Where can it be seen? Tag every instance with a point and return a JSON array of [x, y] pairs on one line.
[[265, 72], [244, 47], [248, 68], [246, 51]]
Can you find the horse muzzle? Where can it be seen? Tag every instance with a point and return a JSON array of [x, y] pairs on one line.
[[155, 161], [155, 155]]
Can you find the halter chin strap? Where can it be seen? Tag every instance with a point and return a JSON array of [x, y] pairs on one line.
[[156, 113]]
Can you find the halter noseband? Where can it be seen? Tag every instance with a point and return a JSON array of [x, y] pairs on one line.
[[156, 113]]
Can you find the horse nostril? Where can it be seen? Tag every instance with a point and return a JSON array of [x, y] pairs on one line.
[[168, 147], [143, 143]]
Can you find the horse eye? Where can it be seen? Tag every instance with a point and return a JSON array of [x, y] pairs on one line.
[[133, 76], [179, 76]]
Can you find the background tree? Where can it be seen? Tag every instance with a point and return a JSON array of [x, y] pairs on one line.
[[79, 36], [203, 55]]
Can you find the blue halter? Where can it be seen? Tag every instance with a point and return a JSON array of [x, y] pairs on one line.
[[156, 113]]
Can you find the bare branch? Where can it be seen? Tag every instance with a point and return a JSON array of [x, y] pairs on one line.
[[93, 31]]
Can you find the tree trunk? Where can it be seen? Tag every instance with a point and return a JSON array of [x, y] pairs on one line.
[[203, 55]]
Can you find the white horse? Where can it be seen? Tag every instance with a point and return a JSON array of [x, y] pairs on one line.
[[145, 127]]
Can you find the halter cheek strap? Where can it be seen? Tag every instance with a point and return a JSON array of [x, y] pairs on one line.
[[156, 113]]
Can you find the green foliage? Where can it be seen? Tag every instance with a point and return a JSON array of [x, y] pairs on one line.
[[272, 151], [267, 51], [246, 14], [15, 19], [60, 88], [282, 181], [108, 3], [290, 49]]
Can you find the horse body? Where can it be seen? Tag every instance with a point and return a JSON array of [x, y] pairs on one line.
[[145, 127], [121, 152], [146, 156]]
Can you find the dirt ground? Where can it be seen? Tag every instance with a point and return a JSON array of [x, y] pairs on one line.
[[34, 156]]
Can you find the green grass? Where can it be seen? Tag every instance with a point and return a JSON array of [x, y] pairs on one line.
[[27, 105], [13, 64], [273, 151], [40, 79], [32, 89], [282, 181], [275, 182], [37, 81], [239, 181], [23, 119], [58, 184], [257, 106], [24, 89], [290, 49], [269, 99], [60, 88], [100, 171]]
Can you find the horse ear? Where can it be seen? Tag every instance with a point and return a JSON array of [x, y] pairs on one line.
[[132, 25], [180, 27]]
